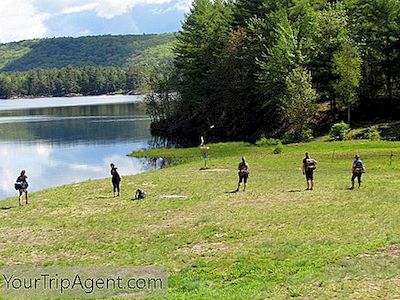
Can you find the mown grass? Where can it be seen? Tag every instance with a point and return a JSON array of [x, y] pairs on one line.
[[273, 241]]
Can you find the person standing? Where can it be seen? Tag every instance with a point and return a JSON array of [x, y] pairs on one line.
[[116, 179], [22, 186], [309, 165], [244, 171], [358, 169]]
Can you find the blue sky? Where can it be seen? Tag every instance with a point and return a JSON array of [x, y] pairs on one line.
[[28, 19]]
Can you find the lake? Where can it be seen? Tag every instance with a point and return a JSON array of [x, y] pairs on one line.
[[65, 140]]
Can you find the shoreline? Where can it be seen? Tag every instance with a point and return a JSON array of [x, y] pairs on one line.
[[194, 223], [48, 102], [129, 93]]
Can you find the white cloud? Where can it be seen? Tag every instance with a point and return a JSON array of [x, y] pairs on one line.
[[20, 19], [182, 5], [27, 19], [79, 8], [111, 8]]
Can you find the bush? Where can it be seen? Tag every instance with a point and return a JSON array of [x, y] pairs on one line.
[[278, 149], [339, 131], [373, 134], [264, 142], [295, 137], [355, 134]]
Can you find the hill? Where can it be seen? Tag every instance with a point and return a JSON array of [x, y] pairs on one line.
[[106, 50], [274, 241]]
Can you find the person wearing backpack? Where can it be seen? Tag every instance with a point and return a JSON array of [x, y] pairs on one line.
[[309, 165], [116, 179], [243, 173], [357, 170], [21, 185]]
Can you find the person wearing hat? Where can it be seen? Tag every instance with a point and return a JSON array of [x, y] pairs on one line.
[[309, 165], [357, 170]]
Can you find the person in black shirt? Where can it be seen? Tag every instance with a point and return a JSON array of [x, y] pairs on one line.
[[22, 186], [243, 173], [116, 179], [309, 165]]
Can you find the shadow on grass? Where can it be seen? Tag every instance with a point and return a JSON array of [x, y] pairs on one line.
[[296, 191], [105, 197], [232, 192], [7, 208]]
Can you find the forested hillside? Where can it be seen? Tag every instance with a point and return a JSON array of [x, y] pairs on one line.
[[282, 68], [92, 65], [104, 50]]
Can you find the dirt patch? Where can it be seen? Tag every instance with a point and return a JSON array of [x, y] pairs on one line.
[[390, 251], [393, 251], [149, 185], [34, 256], [28, 236], [205, 248], [173, 197]]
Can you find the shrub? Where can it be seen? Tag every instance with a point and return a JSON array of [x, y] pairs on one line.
[[307, 135], [355, 134], [373, 134], [263, 142], [278, 149], [293, 137], [339, 131]]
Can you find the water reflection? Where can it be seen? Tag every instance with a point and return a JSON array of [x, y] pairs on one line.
[[64, 145]]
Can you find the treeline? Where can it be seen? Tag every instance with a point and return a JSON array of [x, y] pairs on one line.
[[68, 81], [249, 68], [87, 65]]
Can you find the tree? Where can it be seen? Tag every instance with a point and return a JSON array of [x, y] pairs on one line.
[[376, 29], [276, 65], [199, 50], [5, 86], [330, 35], [347, 66], [299, 103]]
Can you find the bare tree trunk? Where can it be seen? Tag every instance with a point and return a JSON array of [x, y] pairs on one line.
[[389, 88], [348, 114]]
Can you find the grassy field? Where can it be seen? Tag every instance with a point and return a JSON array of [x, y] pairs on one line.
[[275, 240]]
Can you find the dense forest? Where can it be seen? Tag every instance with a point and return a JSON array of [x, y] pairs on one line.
[[68, 81], [282, 68], [106, 50], [87, 65]]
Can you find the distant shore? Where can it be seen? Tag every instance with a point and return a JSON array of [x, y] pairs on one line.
[[43, 102], [130, 93]]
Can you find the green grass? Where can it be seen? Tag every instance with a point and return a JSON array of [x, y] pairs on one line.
[[273, 241]]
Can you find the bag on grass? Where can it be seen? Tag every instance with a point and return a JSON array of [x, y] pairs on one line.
[[140, 194]]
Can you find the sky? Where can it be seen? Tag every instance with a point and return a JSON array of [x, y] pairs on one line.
[[29, 19]]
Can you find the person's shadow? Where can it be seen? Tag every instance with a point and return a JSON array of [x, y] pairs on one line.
[[6, 208], [295, 191], [232, 192]]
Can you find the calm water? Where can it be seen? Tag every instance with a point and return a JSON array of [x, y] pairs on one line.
[[65, 140]]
